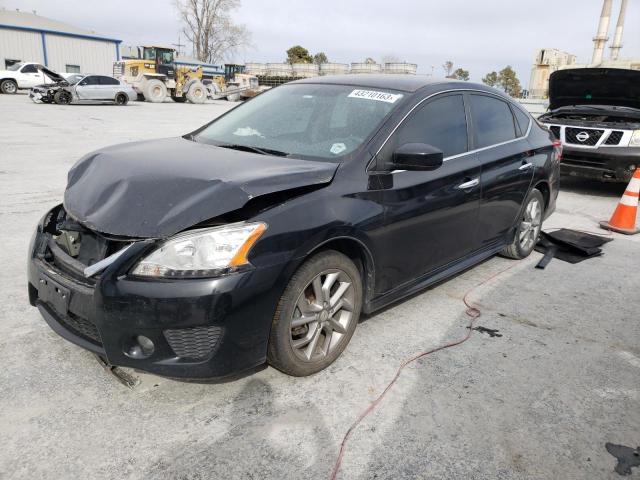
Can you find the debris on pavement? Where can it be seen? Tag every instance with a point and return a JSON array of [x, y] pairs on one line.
[[627, 457], [569, 245]]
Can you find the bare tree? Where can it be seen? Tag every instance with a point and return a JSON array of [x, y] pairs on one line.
[[207, 24], [448, 68]]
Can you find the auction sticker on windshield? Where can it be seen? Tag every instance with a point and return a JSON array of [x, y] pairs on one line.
[[378, 96]]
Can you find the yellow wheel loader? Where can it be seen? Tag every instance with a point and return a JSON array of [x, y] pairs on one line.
[[154, 76]]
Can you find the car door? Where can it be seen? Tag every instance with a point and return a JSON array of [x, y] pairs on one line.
[[86, 89], [108, 87], [430, 216], [506, 168], [30, 76]]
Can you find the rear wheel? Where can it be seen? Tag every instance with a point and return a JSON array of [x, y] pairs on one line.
[[529, 227], [121, 99], [8, 86], [197, 93], [155, 91], [62, 98], [317, 315]]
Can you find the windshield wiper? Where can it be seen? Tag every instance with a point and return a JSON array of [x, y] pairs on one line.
[[249, 148]]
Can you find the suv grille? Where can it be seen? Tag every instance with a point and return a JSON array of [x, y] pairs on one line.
[[614, 138], [197, 343], [81, 327], [582, 136], [556, 131]]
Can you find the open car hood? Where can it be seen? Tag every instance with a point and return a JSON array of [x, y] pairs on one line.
[[594, 86], [52, 75], [154, 189]]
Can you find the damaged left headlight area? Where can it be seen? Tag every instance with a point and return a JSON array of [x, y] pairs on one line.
[[203, 252]]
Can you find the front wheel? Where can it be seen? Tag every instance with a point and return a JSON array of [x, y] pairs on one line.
[[62, 97], [316, 315], [529, 227]]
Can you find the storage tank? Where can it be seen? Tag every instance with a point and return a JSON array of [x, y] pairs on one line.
[[255, 68], [279, 70], [305, 70], [334, 68], [408, 68], [366, 68]]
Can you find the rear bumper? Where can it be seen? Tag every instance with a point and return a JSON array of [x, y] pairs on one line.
[[201, 329], [607, 164]]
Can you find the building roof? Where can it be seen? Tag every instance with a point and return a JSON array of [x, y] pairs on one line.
[[32, 22]]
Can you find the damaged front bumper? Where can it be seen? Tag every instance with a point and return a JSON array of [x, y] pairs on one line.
[[207, 328], [607, 164]]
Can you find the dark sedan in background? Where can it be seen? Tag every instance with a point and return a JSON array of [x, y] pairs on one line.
[[261, 237]]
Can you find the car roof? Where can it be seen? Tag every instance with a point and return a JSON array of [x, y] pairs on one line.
[[405, 83]]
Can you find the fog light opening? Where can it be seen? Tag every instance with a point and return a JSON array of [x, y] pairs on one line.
[[140, 347]]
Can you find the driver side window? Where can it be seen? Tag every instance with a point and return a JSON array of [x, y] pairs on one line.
[[441, 122], [29, 69]]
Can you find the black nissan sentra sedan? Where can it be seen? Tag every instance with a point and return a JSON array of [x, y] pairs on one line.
[[263, 236]]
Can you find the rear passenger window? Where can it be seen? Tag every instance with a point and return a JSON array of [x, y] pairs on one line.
[[492, 120], [522, 119], [441, 123], [108, 81]]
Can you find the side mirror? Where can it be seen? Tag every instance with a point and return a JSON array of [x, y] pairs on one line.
[[417, 156]]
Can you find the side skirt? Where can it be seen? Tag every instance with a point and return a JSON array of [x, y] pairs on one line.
[[430, 279]]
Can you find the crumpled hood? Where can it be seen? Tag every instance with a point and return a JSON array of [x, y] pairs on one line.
[[594, 86], [154, 189]]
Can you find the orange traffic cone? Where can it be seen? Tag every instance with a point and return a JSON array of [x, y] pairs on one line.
[[623, 219]]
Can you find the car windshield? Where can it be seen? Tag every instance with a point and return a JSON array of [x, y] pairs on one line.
[[73, 79], [309, 120], [15, 67]]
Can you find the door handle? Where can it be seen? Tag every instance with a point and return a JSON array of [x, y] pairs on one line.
[[525, 166], [470, 184]]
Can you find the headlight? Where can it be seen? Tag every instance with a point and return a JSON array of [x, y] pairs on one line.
[[635, 139], [202, 253]]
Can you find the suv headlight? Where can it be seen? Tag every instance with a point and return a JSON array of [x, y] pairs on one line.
[[202, 253], [635, 139]]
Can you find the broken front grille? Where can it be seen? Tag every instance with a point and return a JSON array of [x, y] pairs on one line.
[[198, 343], [582, 136], [556, 131]]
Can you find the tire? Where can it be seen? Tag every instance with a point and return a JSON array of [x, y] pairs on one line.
[[179, 99], [304, 349], [9, 87], [529, 226], [197, 93], [62, 97], [155, 91], [121, 99]]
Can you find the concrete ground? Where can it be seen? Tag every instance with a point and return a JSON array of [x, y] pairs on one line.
[[540, 402]]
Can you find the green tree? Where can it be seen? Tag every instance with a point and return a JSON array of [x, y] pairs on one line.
[[461, 74], [320, 57], [508, 81], [298, 54], [490, 79]]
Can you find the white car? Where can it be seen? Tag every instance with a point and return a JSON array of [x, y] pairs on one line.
[[87, 88], [23, 76]]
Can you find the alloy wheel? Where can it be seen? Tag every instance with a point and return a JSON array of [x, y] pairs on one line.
[[322, 315], [531, 224]]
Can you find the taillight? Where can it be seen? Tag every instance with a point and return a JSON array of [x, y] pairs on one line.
[[557, 150]]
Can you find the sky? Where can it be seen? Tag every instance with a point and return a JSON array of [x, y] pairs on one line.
[[479, 36]]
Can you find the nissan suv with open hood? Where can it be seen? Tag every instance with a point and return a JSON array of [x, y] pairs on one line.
[[595, 113], [261, 237]]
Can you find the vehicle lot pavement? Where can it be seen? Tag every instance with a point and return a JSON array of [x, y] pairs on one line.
[[540, 402]]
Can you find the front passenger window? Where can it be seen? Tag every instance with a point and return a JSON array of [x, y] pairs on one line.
[[29, 69], [441, 122]]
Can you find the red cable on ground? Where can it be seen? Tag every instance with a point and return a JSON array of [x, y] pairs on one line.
[[471, 311]]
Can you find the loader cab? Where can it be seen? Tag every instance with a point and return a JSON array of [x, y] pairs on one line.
[[163, 59], [230, 70]]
